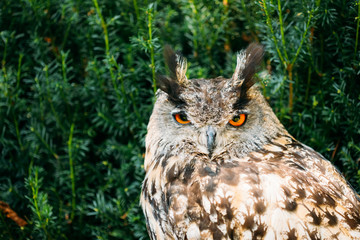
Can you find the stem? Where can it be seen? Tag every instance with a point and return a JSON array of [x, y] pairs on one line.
[[308, 85], [17, 132], [57, 119], [151, 48], [72, 174], [63, 65], [104, 27], [357, 29], [303, 37], [66, 35], [44, 142], [291, 88], [195, 37], [290, 65], [32, 159], [136, 10], [268, 22], [3, 62], [282, 30], [41, 104], [107, 48], [35, 192], [18, 75]]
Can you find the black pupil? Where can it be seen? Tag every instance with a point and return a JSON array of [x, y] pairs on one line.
[[236, 118], [183, 117]]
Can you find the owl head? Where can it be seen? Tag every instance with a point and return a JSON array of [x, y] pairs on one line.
[[215, 116]]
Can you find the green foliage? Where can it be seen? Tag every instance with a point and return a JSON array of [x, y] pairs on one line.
[[77, 85]]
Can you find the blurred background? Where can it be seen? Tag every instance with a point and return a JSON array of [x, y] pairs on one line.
[[77, 85]]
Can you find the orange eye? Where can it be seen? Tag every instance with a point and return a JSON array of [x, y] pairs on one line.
[[181, 118], [238, 120]]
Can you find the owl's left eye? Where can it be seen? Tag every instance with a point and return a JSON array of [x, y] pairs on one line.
[[181, 118], [238, 120]]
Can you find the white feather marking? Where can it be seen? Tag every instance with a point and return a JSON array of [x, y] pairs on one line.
[[272, 148], [206, 203], [213, 217], [247, 234], [193, 232], [181, 70], [222, 228], [271, 184], [240, 65]]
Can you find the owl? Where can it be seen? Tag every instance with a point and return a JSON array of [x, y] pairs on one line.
[[220, 165]]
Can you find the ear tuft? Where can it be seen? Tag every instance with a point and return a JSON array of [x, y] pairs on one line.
[[243, 77], [254, 56], [246, 66], [171, 87], [177, 66]]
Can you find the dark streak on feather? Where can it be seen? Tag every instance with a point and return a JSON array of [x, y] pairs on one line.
[[260, 207], [249, 222], [332, 218], [153, 188], [260, 231], [172, 174], [292, 234], [290, 205], [316, 217]]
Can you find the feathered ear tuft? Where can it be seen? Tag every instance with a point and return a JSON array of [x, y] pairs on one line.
[[177, 66], [246, 66], [243, 77]]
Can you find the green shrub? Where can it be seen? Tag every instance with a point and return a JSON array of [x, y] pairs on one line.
[[77, 85]]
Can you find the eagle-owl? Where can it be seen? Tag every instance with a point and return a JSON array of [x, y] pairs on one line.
[[220, 165]]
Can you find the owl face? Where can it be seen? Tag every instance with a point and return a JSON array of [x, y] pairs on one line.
[[213, 115]]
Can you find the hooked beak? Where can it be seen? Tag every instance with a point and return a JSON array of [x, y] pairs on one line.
[[210, 139]]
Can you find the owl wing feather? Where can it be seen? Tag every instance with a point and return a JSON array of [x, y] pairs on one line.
[[285, 190]]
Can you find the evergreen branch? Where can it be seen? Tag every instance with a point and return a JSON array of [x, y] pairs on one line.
[[17, 131], [18, 75], [72, 174], [107, 48], [63, 66], [136, 10], [269, 24], [44, 142], [195, 32], [66, 35], [104, 27], [282, 30], [35, 193], [150, 18], [357, 29], [3, 62], [57, 119], [41, 104], [32, 159], [291, 64], [303, 37]]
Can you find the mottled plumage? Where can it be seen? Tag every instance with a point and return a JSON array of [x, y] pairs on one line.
[[207, 179]]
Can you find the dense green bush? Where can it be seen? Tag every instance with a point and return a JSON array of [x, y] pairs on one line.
[[77, 87]]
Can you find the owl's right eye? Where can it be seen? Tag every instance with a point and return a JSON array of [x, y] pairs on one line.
[[181, 118]]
